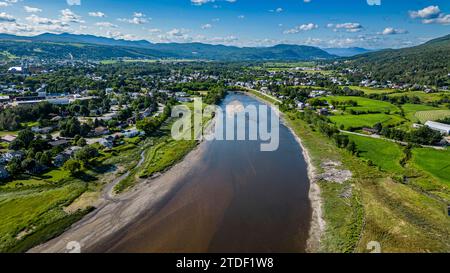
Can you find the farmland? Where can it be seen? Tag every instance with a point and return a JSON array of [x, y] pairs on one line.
[[386, 155], [349, 122], [434, 162], [369, 90], [424, 97], [424, 116]]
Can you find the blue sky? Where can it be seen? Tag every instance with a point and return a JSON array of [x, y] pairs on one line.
[[324, 23]]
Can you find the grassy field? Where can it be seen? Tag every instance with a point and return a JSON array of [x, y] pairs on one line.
[[165, 155], [434, 162], [411, 110], [424, 116], [369, 90], [385, 154], [424, 97], [24, 212], [365, 104], [398, 216], [361, 121]]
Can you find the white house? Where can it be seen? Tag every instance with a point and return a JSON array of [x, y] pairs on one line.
[[440, 127]]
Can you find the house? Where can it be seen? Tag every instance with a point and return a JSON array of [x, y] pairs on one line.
[[44, 130], [15, 69], [132, 133], [100, 131], [108, 143], [8, 138], [370, 131], [440, 127], [60, 159], [57, 143], [10, 155], [323, 112]]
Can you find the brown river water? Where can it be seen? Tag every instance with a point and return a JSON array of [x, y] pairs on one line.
[[236, 198]]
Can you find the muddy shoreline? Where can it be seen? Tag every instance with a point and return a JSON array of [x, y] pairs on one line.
[[108, 223], [317, 227]]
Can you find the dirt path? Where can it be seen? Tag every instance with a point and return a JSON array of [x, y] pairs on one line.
[[114, 213]]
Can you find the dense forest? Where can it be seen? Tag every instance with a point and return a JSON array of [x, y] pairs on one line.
[[427, 64]]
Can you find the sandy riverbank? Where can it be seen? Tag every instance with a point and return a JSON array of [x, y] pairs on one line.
[[317, 227], [114, 214]]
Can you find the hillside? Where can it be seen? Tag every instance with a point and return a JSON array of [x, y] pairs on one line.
[[346, 52], [82, 46], [428, 63]]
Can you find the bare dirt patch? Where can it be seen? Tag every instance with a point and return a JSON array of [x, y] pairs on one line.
[[333, 172]]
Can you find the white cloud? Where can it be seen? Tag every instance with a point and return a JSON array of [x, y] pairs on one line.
[[431, 15], [32, 9], [5, 17], [393, 31], [349, 27], [426, 13], [74, 2], [97, 14], [202, 2], [304, 27], [70, 17], [206, 26], [138, 19], [106, 24]]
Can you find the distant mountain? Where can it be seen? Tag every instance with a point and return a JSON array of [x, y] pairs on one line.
[[142, 48], [346, 52], [428, 63]]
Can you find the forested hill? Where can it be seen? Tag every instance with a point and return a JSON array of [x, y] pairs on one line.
[[93, 47], [428, 63]]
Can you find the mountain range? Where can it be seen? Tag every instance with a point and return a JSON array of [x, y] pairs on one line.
[[347, 52], [89, 46]]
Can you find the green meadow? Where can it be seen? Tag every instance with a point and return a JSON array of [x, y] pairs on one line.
[[434, 162], [352, 122], [382, 153]]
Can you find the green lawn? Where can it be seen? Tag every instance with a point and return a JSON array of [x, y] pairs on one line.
[[361, 121], [434, 162], [382, 153]]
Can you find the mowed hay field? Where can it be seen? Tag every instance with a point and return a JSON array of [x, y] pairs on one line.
[[434, 162], [432, 115], [385, 154], [411, 110], [350, 122]]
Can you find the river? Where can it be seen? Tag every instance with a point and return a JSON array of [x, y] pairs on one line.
[[236, 198]]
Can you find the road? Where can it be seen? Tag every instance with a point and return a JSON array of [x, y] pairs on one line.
[[391, 140]]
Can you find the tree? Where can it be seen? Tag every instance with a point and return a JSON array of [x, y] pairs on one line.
[[351, 147], [14, 167], [26, 136], [16, 145], [85, 154], [45, 159], [81, 142], [73, 166]]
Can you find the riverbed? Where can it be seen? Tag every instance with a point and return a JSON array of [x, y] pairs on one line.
[[236, 198]]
